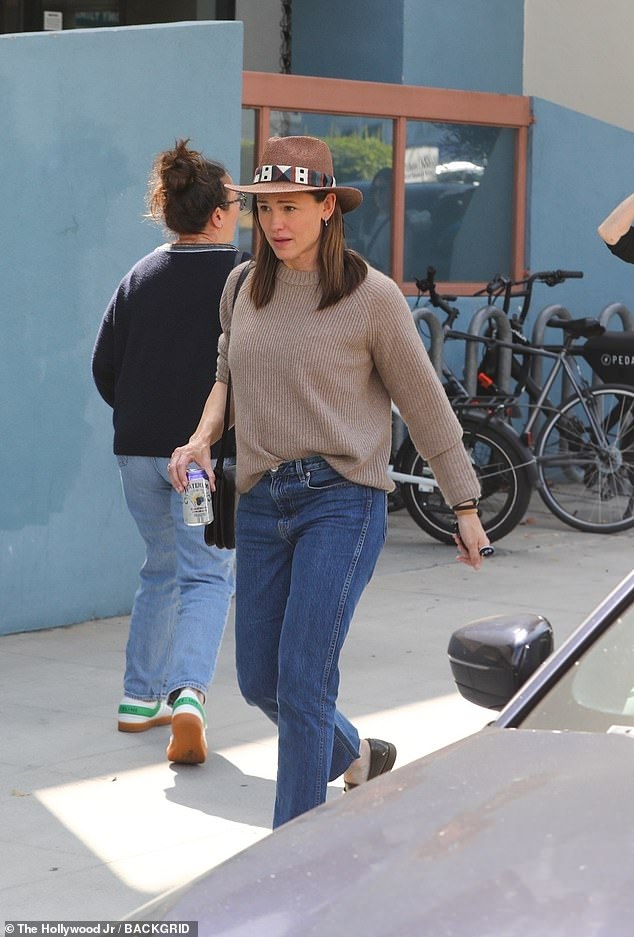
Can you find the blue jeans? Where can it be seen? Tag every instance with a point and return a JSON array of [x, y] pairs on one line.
[[180, 609], [307, 543]]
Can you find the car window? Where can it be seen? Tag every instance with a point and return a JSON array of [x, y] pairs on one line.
[[597, 692]]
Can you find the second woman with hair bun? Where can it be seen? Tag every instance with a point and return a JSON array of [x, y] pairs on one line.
[[153, 359]]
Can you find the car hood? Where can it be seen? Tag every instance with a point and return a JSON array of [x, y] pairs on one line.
[[509, 832]]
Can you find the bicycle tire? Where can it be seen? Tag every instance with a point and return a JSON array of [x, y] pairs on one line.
[[586, 484], [505, 480]]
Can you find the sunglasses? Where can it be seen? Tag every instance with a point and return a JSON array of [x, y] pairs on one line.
[[242, 199]]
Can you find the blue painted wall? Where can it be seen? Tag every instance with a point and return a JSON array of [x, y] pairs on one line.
[[82, 113], [580, 168], [358, 39], [475, 45], [472, 45]]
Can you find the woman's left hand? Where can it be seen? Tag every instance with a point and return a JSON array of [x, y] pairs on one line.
[[470, 540]]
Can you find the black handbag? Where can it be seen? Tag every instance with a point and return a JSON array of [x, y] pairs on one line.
[[221, 531]]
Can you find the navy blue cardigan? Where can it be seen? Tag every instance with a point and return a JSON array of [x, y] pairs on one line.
[[154, 360]]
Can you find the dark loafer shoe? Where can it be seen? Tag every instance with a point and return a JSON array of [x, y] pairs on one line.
[[382, 758]]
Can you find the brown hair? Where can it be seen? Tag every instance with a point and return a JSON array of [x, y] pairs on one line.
[[184, 188], [341, 270]]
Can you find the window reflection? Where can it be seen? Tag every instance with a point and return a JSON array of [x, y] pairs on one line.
[[375, 224], [247, 168], [361, 150], [459, 182], [458, 200]]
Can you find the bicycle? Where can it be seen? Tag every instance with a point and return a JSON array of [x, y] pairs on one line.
[[584, 449], [504, 466]]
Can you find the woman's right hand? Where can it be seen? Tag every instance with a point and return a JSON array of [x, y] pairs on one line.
[[182, 458], [198, 449]]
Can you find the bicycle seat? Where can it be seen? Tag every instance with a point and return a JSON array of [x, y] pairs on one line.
[[578, 328]]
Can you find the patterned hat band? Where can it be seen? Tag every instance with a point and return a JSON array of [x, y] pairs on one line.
[[293, 164], [298, 175]]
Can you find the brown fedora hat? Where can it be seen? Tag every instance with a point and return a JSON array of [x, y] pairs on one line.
[[299, 164]]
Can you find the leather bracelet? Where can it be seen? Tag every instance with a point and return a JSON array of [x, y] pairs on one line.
[[465, 513], [467, 503]]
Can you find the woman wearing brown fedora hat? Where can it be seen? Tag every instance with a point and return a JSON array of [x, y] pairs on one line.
[[318, 344]]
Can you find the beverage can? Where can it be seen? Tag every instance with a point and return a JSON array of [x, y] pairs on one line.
[[197, 507]]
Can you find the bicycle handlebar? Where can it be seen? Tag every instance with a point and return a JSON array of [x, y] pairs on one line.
[[428, 285], [553, 277], [522, 289], [500, 283], [498, 286]]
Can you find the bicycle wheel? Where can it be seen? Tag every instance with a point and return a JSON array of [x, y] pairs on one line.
[[505, 480], [586, 477]]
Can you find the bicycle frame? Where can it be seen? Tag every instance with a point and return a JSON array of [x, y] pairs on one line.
[[499, 404], [583, 471], [577, 382], [425, 483]]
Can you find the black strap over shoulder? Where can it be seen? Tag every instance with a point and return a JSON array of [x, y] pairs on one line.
[[225, 428]]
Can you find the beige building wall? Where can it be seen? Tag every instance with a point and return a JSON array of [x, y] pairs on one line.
[[578, 53], [262, 34]]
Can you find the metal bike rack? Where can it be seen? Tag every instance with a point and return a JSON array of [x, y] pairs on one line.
[[621, 312], [436, 334], [473, 352], [435, 351], [539, 331]]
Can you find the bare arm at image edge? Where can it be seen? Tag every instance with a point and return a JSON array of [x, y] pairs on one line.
[[618, 222]]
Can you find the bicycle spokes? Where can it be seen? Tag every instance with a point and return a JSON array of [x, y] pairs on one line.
[[505, 482], [585, 459]]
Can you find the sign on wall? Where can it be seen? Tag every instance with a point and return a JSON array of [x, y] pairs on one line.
[[420, 163], [53, 19]]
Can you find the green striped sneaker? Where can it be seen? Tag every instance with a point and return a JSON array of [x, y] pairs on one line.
[[136, 715], [188, 745]]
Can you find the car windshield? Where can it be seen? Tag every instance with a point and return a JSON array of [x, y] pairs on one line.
[[597, 692]]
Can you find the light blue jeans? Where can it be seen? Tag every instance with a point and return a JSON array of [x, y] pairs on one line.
[[181, 606], [307, 543]]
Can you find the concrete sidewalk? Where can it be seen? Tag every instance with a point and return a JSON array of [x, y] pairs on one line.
[[94, 822]]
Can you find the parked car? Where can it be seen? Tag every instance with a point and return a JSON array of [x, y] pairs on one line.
[[526, 827]]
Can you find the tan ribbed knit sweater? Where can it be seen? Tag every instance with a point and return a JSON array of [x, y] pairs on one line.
[[311, 381]]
